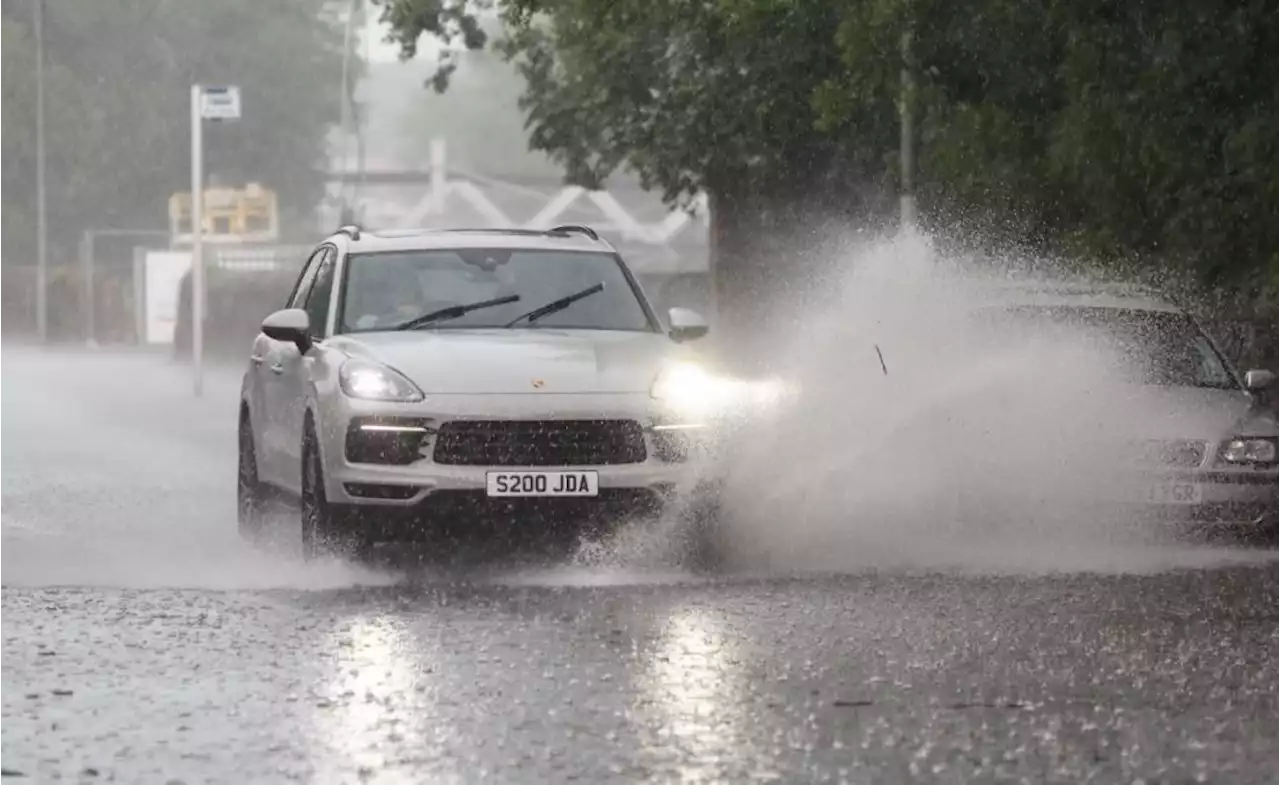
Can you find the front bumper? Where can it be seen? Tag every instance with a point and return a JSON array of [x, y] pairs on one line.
[[1223, 496], [411, 483], [1211, 497]]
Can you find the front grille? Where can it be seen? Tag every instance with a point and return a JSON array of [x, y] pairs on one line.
[[1174, 453], [539, 443], [368, 490]]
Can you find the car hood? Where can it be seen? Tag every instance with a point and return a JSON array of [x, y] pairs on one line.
[[518, 361], [1199, 413]]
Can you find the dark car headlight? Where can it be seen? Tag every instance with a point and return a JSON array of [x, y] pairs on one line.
[[1249, 449]]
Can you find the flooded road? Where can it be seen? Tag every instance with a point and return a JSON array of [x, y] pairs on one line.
[[144, 643]]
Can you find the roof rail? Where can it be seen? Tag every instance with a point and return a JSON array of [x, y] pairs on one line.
[[565, 229], [561, 230], [574, 228], [490, 230]]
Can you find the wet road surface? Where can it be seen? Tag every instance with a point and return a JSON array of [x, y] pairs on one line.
[[143, 643]]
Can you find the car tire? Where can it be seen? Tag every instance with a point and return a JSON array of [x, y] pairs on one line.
[[251, 500], [328, 529]]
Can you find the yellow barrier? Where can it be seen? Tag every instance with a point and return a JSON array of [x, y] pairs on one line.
[[249, 214]]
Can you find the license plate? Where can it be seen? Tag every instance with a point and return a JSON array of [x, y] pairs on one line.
[[1174, 493], [561, 483]]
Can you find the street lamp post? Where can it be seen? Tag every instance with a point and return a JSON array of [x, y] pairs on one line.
[[42, 230]]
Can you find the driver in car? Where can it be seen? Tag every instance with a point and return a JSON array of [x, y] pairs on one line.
[[387, 303]]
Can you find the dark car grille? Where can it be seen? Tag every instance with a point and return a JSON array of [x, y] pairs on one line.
[[539, 443], [1179, 453], [394, 441]]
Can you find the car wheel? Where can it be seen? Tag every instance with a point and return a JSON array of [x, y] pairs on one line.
[[250, 493], [327, 529]]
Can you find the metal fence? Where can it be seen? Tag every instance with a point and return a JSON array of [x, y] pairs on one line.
[[66, 301], [245, 284]]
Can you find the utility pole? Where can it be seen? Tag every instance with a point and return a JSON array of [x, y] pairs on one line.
[[42, 229], [344, 116], [906, 107]]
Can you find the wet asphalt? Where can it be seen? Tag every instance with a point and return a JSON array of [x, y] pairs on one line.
[[142, 642]]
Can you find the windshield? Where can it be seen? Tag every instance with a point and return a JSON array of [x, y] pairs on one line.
[[1157, 348], [387, 290]]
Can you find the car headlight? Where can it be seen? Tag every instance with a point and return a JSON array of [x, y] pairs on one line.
[[686, 387], [691, 391], [1249, 450], [372, 381]]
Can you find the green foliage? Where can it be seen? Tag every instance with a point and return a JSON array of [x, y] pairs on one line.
[[117, 90], [1178, 109], [1140, 134], [693, 96], [65, 126], [446, 20], [690, 95], [1128, 132]]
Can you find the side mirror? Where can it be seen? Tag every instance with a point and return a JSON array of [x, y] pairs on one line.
[[1256, 381], [291, 325], [686, 325]]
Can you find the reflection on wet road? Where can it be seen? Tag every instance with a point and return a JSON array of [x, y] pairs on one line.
[[142, 642]]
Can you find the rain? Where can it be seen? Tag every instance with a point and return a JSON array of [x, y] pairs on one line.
[[529, 391]]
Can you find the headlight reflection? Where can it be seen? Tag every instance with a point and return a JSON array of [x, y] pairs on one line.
[[695, 686], [375, 704]]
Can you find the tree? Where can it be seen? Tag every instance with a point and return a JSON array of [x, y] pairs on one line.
[[117, 86], [1168, 139], [65, 129], [715, 97], [1141, 135]]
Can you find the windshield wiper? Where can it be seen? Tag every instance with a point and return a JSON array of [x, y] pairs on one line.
[[556, 305], [453, 312]]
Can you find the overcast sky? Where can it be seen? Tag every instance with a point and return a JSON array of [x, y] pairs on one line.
[[377, 50]]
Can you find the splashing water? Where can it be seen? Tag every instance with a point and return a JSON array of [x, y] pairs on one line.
[[920, 442]]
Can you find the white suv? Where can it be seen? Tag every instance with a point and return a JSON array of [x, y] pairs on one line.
[[424, 383]]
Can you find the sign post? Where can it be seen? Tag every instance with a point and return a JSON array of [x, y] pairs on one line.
[[217, 104]]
